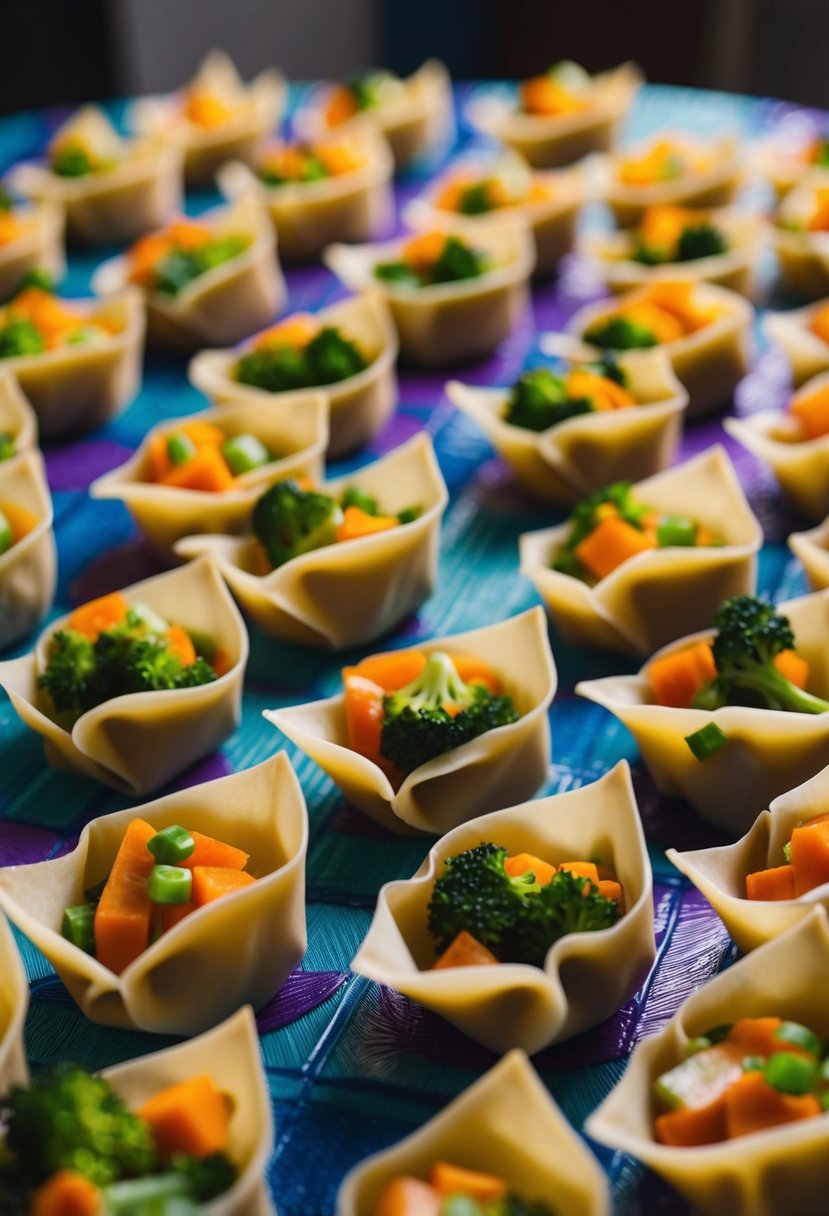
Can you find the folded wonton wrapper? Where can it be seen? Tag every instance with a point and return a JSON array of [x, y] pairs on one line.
[[586, 976], [81, 386], [712, 187], [803, 256], [720, 873], [782, 161], [499, 766], [349, 592], [256, 107], [28, 570], [547, 142], [812, 549], [807, 353], [768, 751], [295, 436], [16, 415], [449, 322], [236, 950], [660, 594], [415, 123], [551, 219], [138, 742], [585, 453], [801, 467], [14, 1002], [222, 305], [505, 1123], [358, 406], [230, 1055], [779, 1172], [708, 362], [39, 247], [611, 257], [141, 190], [353, 206]]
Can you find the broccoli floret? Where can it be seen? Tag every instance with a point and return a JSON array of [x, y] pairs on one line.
[[67, 1119], [8, 447], [620, 333], [289, 521], [20, 338], [436, 713], [327, 359], [457, 261], [206, 1177], [312, 169], [180, 266], [71, 160], [333, 358], [397, 272], [539, 400], [585, 517], [475, 199], [650, 255], [750, 634], [514, 917], [702, 241], [71, 678]]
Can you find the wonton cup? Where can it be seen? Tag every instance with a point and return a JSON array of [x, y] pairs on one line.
[[256, 109], [505, 1123], [807, 353], [549, 141], [782, 1171], [501, 765], [14, 1002], [138, 742], [414, 124], [222, 305], [611, 255], [768, 751], [352, 206], [16, 415], [551, 219], [710, 361], [139, 192], [28, 570], [659, 594], [81, 386], [720, 873], [584, 453], [236, 950], [230, 1055], [38, 247], [802, 466], [352, 591], [586, 976], [783, 161], [358, 407], [812, 550], [449, 322], [803, 255], [296, 437], [715, 186]]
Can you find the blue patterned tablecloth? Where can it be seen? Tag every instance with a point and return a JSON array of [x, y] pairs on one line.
[[353, 1068]]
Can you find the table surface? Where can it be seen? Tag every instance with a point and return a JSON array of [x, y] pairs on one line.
[[353, 1068]]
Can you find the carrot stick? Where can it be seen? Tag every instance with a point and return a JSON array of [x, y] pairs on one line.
[[448, 1179], [190, 1117], [213, 882], [124, 912], [215, 853], [751, 1105], [776, 883]]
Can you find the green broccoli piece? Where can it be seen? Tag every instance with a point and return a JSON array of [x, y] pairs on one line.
[[417, 725], [367, 88], [72, 160], [585, 517], [289, 521], [702, 241], [650, 255], [68, 1119], [457, 261], [327, 359], [39, 278], [71, 678], [333, 358], [313, 170], [206, 1177], [822, 153], [397, 273], [181, 266], [6, 200], [516, 918], [539, 400], [20, 338], [8, 447], [750, 634], [620, 333], [353, 496], [475, 199]]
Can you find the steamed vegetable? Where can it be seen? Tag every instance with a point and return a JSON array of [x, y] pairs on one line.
[[36, 320], [542, 398], [15, 523], [367, 91], [70, 157], [673, 234], [170, 260], [291, 163], [200, 456], [453, 1190], [297, 354], [805, 867], [663, 160], [561, 90], [431, 259], [660, 313]]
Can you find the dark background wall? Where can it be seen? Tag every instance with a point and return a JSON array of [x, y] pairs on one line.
[[70, 50]]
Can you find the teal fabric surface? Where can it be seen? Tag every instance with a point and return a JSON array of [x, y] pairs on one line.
[[352, 1068]]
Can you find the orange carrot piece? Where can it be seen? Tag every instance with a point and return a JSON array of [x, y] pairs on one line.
[[190, 1117], [213, 882], [221, 662], [606, 394], [689, 1127], [465, 951], [476, 671], [206, 110], [296, 331], [522, 862], [676, 678], [406, 1196], [20, 519], [664, 326], [145, 254], [813, 413], [450, 196], [755, 1036], [97, 616], [206, 471], [752, 1105], [449, 1179], [181, 645], [215, 853], [793, 667], [421, 252], [363, 715], [611, 889], [47, 313], [776, 883], [203, 434], [66, 1194], [357, 523], [172, 914], [582, 869], [819, 324], [810, 855], [612, 542], [543, 95], [124, 912], [341, 106], [157, 457], [391, 670]]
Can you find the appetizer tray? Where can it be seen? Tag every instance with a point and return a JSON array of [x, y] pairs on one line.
[[351, 1067]]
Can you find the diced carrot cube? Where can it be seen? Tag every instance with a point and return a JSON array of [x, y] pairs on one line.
[[819, 324], [181, 645], [216, 853], [406, 1196], [776, 883], [611, 889], [448, 1179], [214, 882], [687, 1128], [190, 1117], [581, 869], [98, 615], [612, 542], [521, 863], [812, 412], [543, 95], [677, 678], [810, 856], [752, 1105], [465, 951], [207, 471], [66, 1193], [357, 523], [423, 251], [341, 106]]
